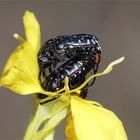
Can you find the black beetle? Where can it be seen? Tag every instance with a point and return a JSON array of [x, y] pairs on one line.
[[72, 56]]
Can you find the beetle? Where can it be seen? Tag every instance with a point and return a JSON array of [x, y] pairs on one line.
[[73, 56]]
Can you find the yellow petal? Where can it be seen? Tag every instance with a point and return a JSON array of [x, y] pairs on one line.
[[50, 114], [32, 30], [21, 71], [70, 130], [91, 122]]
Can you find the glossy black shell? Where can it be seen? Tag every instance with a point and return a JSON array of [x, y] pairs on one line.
[[73, 56], [62, 48]]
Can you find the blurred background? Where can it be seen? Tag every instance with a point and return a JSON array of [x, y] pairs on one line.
[[116, 24]]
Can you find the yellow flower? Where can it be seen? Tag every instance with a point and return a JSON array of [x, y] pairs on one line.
[[87, 120]]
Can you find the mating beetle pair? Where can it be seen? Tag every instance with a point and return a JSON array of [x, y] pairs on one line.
[[72, 56]]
